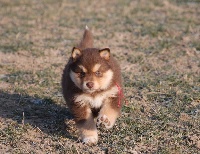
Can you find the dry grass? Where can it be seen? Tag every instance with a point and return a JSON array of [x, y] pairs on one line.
[[158, 46]]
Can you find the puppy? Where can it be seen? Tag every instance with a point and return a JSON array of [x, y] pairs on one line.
[[91, 84]]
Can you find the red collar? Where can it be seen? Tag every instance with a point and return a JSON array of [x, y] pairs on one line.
[[120, 94]]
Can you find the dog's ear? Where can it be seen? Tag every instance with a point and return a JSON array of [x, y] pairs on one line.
[[75, 53], [105, 53]]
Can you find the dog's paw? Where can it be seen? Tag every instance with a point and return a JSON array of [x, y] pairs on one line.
[[103, 119], [90, 140]]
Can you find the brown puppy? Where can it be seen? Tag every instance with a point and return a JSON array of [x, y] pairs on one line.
[[91, 84]]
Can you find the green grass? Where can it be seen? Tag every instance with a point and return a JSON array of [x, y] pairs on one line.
[[157, 46]]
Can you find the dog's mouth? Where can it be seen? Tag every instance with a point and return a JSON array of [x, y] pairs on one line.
[[90, 87], [90, 90]]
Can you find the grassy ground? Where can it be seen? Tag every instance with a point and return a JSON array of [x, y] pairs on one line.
[[158, 46]]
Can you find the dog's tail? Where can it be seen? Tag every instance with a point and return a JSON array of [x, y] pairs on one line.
[[87, 40]]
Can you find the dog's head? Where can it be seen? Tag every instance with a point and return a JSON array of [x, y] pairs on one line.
[[90, 70]]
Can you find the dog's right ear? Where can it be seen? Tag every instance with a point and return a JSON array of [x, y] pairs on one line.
[[75, 53]]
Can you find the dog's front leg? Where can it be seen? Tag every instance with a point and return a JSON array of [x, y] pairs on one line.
[[86, 125], [109, 112]]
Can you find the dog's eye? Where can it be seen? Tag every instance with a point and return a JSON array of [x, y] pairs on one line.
[[98, 73], [81, 74]]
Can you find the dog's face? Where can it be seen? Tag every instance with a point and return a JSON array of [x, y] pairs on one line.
[[90, 71]]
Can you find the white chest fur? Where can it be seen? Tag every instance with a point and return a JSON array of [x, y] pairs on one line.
[[96, 102]]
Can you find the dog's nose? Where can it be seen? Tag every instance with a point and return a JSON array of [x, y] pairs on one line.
[[90, 84]]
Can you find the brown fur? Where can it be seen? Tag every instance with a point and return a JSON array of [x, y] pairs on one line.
[[87, 40], [85, 60]]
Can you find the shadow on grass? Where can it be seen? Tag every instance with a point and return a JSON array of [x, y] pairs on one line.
[[44, 114], [8, 48]]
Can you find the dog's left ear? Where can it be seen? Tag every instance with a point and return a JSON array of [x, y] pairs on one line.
[[75, 53], [105, 53]]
